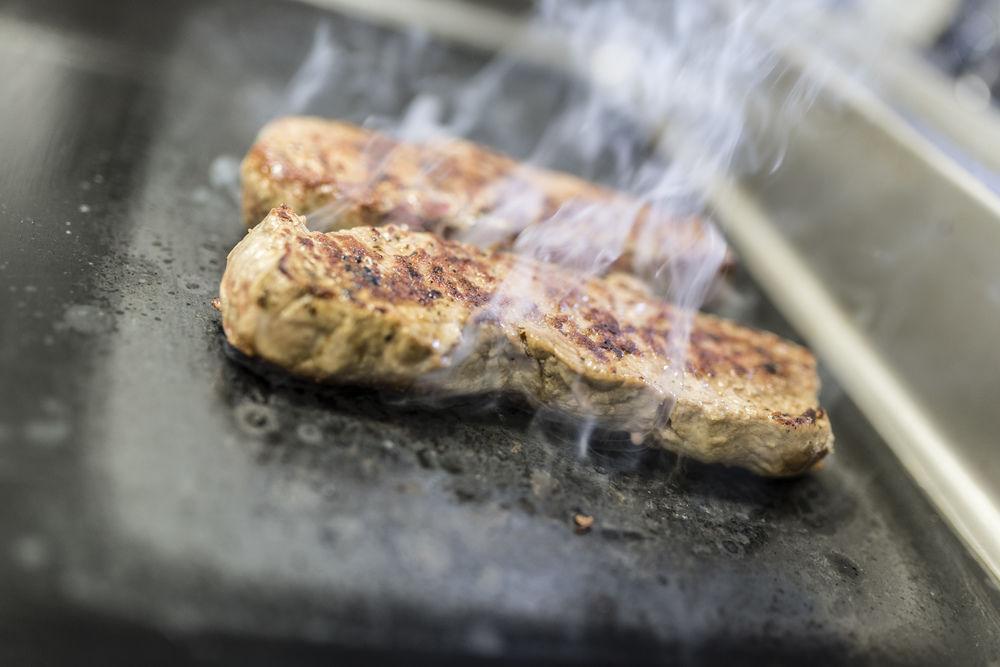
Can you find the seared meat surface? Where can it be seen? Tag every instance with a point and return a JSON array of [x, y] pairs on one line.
[[390, 306], [343, 176]]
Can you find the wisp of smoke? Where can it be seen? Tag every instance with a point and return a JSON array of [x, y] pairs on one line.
[[662, 100]]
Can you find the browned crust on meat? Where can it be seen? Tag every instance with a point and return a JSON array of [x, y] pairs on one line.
[[362, 177], [392, 306]]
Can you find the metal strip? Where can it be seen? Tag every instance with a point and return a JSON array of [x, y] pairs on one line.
[[463, 22], [808, 305]]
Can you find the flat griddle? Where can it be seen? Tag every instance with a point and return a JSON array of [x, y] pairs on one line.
[[167, 502]]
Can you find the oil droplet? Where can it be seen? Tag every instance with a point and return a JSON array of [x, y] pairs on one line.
[[255, 419]]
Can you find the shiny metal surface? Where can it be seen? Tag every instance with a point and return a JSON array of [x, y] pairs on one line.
[[883, 247], [165, 503]]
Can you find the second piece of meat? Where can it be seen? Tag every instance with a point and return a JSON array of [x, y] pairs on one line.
[[389, 306]]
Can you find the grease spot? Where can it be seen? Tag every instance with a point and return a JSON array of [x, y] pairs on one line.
[[255, 419], [309, 434]]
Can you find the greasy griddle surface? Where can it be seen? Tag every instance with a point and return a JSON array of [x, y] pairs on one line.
[[161, 497]]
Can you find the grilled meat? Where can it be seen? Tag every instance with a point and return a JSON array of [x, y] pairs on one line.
[[389, 306], [352, 176]]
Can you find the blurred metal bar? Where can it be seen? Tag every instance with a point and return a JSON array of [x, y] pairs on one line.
[[883, 249], [811, 304], [463, 22]]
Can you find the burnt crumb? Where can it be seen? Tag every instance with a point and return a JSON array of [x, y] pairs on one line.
[[770, 367]]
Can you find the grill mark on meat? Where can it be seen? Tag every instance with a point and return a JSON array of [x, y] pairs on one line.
[[283, 263], [809, 417], [390, 306], [406, 281], [439, 186], [612, 337], [568, 329]]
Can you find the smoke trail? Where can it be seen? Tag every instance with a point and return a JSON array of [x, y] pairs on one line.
[[663, 100], [313, 74]]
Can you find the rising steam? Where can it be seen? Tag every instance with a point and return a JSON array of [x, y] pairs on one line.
[[662, 100]]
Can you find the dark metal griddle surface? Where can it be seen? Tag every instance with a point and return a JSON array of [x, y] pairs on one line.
[[160, 499]]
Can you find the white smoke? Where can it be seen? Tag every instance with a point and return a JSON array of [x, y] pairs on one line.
[[313, 75], [662, 100]]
